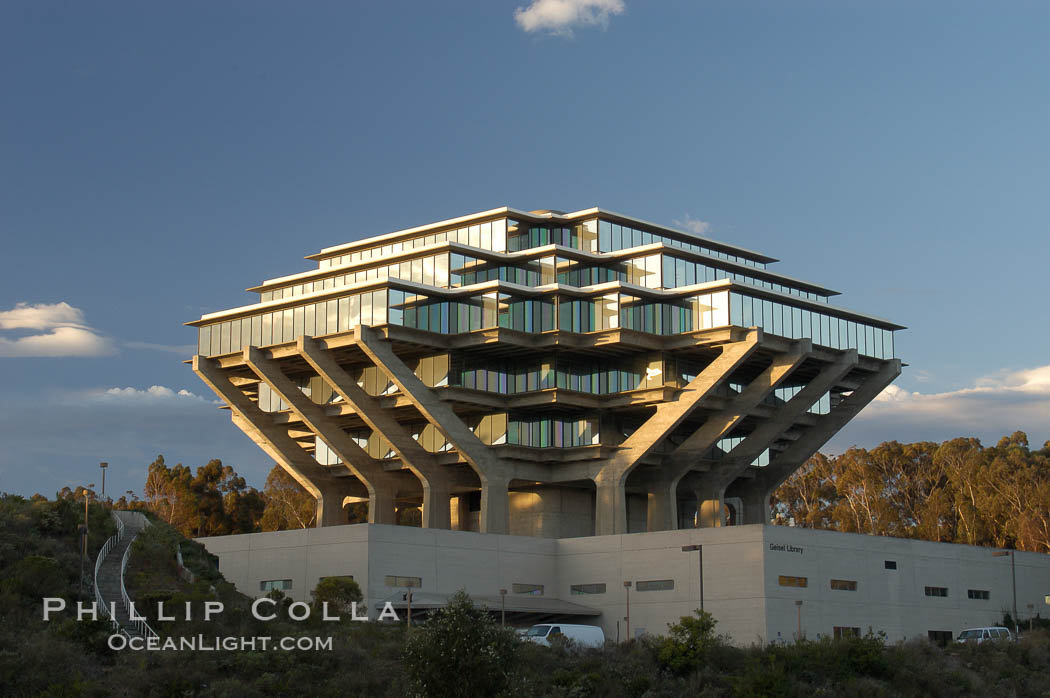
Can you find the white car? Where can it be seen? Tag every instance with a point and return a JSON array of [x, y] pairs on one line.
[[979, 635], [582, 635]]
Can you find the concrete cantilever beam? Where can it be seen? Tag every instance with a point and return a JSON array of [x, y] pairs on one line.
[[495, 475], [382, 486], [710, 498], [663, 500], [756, 492], [436, 481], [610, 498], [275, 442]]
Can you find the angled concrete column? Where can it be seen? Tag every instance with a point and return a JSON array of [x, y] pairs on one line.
[[381, 484], [767, 432], [315, 478], [717, 426], [711, 497], [495, 505], [767, 479], [495, 475], [438, 413], [433, 477], [756, 391], [610, 502]]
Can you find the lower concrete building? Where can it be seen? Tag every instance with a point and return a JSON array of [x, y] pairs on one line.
[[762, 583]]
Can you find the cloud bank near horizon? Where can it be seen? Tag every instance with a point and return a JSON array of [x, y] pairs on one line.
[[994, 406]]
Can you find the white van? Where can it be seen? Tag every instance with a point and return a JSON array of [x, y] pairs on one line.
[[582, 635], [979, 635]]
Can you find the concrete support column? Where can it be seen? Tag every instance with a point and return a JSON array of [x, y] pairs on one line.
[[495, 507], [755, 497], [462, 512], [662, 510], [437, 512], [330, 506], [381, 508], [710, 506], [610, 506]]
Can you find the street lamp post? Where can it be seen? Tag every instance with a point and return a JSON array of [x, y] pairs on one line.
[[503, 607], [84, 537], [627, 589], [1013, 581], [699, 549], [798, 637], [1031, 614], [409, 584], [103, 465]]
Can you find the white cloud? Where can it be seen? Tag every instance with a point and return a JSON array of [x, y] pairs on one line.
[[560, 16], [994, 406], [693, 225], [63, 332], [61, 341], [154, 393], [41, 316]]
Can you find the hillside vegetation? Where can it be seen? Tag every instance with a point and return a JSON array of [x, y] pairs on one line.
[[460, 651]]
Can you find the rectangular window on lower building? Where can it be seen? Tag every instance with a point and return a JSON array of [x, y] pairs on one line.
[[278, 584], [393, 580], [337, 576], [842, 631], [787, 581], [587, 589], [891, 564], [936, 591], [980, 594], [533, 589], [656, 585], [941, 637], [843, 585]]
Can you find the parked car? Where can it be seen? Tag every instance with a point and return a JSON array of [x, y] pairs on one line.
[[979, 635], [582, 635]]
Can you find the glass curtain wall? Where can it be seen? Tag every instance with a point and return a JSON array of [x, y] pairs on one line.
[[543, 314]]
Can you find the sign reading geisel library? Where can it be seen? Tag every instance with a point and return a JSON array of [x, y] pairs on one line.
[[783, 548]]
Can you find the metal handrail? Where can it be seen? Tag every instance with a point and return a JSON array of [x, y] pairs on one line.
[[106, 548], [139, 623]]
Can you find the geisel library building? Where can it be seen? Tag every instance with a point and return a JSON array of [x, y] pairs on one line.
[[555, 404]]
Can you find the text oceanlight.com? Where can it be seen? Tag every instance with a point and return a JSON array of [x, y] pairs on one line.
[[200, 643]]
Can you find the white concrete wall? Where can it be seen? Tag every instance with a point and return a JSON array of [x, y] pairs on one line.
[[741, 570], [894, 600]]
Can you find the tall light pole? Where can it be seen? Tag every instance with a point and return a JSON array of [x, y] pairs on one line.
[[798, 603], [103, 465], [503, 607], [84, 537], [627, 589], [699, 549], [1013, 581]]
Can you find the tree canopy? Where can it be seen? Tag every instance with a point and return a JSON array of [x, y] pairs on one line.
[[954, 492]]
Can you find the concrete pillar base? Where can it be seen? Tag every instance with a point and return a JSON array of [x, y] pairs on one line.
[[495, 509]]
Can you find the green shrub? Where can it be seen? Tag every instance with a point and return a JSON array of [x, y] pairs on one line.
[[460, 651]]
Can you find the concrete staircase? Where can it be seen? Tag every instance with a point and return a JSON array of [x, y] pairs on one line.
[[109, 579]]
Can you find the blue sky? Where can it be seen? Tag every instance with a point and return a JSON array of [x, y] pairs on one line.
[[157, 159]]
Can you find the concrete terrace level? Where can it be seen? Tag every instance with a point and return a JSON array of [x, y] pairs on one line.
[[544, 374]]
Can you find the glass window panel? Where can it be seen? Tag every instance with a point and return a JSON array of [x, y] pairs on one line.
[[604, 236], [204, 340], [499, 235], [266, 332]]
